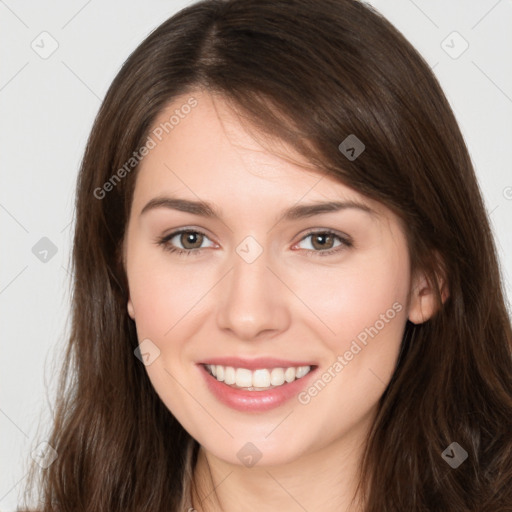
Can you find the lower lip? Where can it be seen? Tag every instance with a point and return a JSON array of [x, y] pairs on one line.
[[254, 401]]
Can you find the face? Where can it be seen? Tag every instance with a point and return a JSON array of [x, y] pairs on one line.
[[261, 287]]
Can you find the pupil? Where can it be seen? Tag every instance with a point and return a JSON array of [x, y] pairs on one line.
[[321, 239], [191, 238]]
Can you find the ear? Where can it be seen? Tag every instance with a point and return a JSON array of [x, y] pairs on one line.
[[424, 297], [122, 263], [131, 311]]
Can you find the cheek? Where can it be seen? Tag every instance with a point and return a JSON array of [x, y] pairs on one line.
[[162, 293], [348, 300], [165, 300], [366, 309], [375, 313]]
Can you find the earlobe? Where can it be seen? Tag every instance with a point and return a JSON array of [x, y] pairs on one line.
[[131, 311], [424, 303]]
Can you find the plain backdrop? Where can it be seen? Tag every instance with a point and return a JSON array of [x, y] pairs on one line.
[[57, 61]]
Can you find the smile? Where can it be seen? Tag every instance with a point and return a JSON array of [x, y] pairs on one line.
[[257, 385], [261, 379]]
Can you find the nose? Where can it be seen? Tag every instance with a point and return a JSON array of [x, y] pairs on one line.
[[252, 300]]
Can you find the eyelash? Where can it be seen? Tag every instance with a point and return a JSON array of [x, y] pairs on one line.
[[164, 242]]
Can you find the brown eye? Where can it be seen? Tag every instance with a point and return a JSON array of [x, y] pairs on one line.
[[325, 243], [191, 239], [185, 242], [322, 240]]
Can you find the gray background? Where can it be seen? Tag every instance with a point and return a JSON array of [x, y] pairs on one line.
[[47, 105]]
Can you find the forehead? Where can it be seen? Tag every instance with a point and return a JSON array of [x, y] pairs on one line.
[[209, 152]]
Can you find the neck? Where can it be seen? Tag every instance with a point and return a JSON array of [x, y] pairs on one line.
[[323, 480]]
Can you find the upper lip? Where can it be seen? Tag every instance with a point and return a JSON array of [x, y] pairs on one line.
[[254, 364]]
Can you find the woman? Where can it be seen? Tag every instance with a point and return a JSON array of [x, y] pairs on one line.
[[335, 335]]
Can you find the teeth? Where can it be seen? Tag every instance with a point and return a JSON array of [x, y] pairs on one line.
[[289, 374], [229, 375], [243, 378], [301, 371], [260, 379], [277, 376]]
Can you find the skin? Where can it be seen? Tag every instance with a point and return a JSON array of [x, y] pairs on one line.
[[291, 303]]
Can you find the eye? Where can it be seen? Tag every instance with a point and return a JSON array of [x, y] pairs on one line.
[[323, 243], [190, 241]]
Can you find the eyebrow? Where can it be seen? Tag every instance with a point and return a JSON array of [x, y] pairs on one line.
[[301, 211]]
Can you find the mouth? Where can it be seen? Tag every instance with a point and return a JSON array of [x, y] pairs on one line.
[[260, 379], [255, 386]]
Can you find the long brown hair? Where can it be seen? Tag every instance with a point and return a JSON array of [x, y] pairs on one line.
[[309, 73]]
